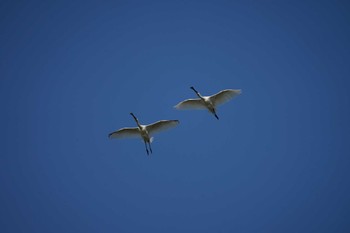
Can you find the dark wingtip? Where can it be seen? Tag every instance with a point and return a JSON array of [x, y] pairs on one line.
[[192, 87]]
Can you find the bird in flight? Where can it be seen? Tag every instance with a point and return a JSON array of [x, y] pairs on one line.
[[208, 102], [144, 131]]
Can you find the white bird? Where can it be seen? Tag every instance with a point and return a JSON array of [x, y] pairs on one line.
[[144, 131], [208, 102]]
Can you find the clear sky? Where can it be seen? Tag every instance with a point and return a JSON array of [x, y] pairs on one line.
[[276, 161]]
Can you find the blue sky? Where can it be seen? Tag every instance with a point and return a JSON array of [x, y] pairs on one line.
[[276, 161]]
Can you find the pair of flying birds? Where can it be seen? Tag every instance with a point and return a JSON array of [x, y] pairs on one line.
[[203, 102]]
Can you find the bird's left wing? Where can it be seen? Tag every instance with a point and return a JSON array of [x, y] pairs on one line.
[[161, 126], [191, 104], [125, 133], [224, 96]]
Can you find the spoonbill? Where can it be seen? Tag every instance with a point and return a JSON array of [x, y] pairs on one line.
[[144, 131], [208, 102]]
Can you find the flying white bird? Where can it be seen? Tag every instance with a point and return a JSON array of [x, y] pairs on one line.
[[144, 131], [208, 102]]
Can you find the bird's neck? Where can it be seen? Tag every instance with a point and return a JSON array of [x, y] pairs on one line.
[[138, 123], [197, 93]]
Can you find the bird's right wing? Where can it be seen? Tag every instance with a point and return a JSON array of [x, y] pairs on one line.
[[224, 96], [161, 126], [190, 104], [126, 133]]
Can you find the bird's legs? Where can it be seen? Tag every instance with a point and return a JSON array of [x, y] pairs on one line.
[[216, 116], [212, 110], [146, 148], [150, 148]]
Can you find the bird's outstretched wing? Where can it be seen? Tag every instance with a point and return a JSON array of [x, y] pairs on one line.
[[125, 133], [190, 104], [161, 126], [224, 96]]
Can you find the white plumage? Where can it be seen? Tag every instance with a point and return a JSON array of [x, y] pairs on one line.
[[144, 131], [126, 133], [208, 102]]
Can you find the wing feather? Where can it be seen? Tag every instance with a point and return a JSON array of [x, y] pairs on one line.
[[126, 133], [162, 125], [224, 96], [190, 104]]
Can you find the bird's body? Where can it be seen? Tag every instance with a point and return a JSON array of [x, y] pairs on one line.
[[144, 131], [208, 102]]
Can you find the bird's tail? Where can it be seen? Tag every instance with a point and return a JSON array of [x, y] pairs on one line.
[[151, 139]]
